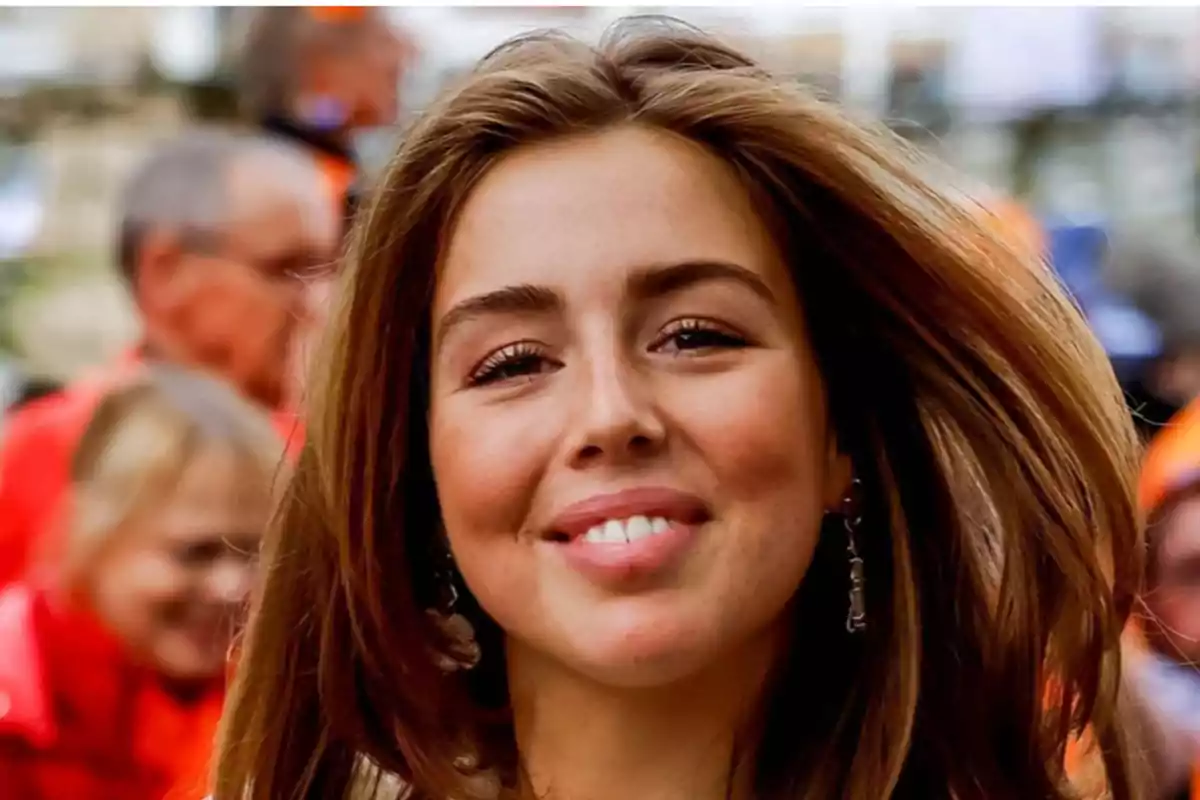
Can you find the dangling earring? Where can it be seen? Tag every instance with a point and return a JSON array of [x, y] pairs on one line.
[[856, 616], [464, 651]]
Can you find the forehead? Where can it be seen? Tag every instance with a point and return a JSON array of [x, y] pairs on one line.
[[282, 199], [585, 209], [220, 491]]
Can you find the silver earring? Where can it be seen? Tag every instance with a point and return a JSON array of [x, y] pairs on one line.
[[856, 616]]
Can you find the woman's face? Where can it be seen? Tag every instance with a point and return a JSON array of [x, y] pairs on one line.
[[172, 585], [628, 429]]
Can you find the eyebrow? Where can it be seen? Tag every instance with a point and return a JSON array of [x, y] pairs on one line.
[[647, 283], [519, 299], [660, 280]]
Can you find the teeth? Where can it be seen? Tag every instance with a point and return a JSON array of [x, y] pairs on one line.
[[638, 528], [616, 531]]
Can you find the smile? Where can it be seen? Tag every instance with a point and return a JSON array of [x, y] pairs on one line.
[[631, 529], [633, 534]]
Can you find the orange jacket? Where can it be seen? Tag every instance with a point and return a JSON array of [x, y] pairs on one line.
[[1012, 219], [337, 163], [35, 459], [1172, 460], [81, 720]]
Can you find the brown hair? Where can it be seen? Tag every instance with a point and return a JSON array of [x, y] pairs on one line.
[[143, 435], [988, 428]]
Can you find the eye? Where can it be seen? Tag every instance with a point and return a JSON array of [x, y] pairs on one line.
[[695, 333], [306, 269], [198, 553], [513, 361]]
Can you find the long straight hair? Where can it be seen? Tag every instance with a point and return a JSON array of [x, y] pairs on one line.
[[1002, 546]]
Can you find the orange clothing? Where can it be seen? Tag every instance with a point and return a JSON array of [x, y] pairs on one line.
[[1013, 219], [337, 13], [340, 176], [35, 460], [1172, 461], [82, 721], [336, 162]]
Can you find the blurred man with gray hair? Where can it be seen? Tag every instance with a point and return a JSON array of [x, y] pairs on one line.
[[221, 239]]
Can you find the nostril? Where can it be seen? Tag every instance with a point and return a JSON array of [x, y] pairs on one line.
[[590, 451]]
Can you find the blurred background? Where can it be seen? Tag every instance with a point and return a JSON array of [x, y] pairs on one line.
[[1086, 116], [1078, 127]]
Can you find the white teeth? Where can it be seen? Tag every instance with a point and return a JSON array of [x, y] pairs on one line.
[[638, 528], [616, 531]]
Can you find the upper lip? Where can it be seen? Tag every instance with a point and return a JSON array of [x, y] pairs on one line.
[[651, 501]]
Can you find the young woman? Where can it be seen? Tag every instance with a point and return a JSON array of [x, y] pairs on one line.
[[680, 441], [113, 669]]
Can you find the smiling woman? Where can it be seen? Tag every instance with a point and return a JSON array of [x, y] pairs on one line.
[[679, 441]]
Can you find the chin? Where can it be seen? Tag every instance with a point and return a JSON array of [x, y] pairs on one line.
[[197, 667], [641, 656], [190, 673]]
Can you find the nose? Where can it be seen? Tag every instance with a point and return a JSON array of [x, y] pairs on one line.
[[617, 418], [228, 581]]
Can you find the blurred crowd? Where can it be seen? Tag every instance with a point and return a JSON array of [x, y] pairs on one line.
[[132, 499]]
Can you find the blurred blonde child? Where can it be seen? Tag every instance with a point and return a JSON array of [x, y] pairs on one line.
[[112, 668]]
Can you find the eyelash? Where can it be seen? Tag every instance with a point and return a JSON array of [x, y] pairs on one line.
[[717, 335], [507, 362]]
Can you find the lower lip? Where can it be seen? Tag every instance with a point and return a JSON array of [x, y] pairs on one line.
[[619, 562]]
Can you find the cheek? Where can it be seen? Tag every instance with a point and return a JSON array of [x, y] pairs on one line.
[[155, 579], [130, 593], [1180, 612], [762, 432], [487, 463], [238, 311], [761, 435]]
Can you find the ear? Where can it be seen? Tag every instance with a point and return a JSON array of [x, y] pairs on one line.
[[839, 475], [159, 258]]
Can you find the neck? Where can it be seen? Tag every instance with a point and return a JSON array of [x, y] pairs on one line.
[[580, 740]]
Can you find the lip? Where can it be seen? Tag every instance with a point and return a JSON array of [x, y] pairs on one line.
[[651, 501], [620, 564]]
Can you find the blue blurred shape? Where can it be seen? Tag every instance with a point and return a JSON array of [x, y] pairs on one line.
[[1077, 254]]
